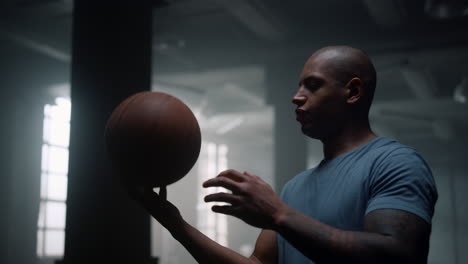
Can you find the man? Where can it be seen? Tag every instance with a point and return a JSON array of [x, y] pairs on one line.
[[370, 200]]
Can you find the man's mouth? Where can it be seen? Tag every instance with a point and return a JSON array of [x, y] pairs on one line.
[[300, 115], [299, 118]]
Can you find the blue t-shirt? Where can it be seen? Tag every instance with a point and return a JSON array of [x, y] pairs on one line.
[[340, 192]]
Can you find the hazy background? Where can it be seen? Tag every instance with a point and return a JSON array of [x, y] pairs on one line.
[[236, 64]]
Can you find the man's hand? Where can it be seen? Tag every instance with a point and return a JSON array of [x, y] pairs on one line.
[[157, 205], [252, 199], [202, 248]]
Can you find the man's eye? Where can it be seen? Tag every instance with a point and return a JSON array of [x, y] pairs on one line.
[[311, 85]]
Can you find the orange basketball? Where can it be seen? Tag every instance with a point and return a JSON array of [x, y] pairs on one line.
[[153, 139]]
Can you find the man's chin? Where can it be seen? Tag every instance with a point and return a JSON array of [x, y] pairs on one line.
[[310, 133]]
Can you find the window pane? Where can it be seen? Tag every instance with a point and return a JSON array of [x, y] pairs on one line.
[[47, 110], [59, 132], [40, 243], [58, 159], [211, 170], [222, 224], [222, 157], [45, 158], [60, 113], [40, 220], [54, 242], [46, 130], [55, 215], [64, 105], [44, 179], [210, 220], [57, 187]]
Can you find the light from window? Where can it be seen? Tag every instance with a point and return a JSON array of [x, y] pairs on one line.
[[54, 166], [213, 159]]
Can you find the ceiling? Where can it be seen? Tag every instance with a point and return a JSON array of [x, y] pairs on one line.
[[216, 54]]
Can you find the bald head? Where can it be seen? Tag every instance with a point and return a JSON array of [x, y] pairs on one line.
[[343, 63]]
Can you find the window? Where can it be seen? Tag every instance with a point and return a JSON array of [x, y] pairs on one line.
[[54, 170], [213, 159]]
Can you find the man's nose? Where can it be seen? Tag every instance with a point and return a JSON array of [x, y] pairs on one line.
[[298, 99]]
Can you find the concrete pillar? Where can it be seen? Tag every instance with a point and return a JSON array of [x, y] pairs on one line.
[[111, 59]]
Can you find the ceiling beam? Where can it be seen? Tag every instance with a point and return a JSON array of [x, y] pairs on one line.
[[259, 19], [387, 13], [34, 45]]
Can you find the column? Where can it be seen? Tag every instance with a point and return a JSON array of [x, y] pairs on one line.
[[111, 59]]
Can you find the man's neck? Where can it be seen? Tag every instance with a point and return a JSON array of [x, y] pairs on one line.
[[352, 136]]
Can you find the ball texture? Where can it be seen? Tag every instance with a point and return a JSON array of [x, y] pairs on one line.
[[153, 139]]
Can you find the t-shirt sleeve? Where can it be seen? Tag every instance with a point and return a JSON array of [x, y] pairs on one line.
[[285, 192], [403, 181]]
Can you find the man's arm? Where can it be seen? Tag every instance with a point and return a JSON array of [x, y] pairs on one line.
[[409, 231], [202, 248], [266, 248], [389, 236]]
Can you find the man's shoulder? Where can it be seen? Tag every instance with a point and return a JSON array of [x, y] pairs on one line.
[[387, 149], [401, 179], [399, 162], [389, 156], [378, 155]]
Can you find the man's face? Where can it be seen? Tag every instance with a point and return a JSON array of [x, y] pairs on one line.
[[320, 99]]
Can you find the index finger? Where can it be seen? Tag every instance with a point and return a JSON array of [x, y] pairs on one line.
[[223, 182], [233, 175]]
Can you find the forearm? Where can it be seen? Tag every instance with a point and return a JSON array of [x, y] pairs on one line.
[[326, 244], [203, 249]]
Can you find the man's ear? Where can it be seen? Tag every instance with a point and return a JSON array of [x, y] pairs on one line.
[[355, 90]]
